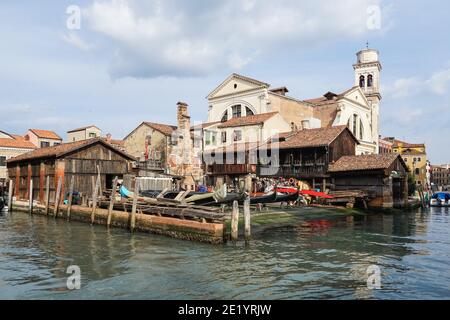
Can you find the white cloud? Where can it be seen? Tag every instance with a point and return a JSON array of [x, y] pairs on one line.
[[437, 84], [73, 39], [184, 38], [439, 81]]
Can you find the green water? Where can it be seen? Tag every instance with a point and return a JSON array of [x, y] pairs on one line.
[[319, 255]]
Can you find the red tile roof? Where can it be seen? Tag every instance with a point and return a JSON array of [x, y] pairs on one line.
[[45, 134], [248, 121], [163, 128], [399, 143], [365, 162], [310, 137], [18, 143], [62, 149]]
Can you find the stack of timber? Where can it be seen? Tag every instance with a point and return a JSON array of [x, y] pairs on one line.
[[348, 197]]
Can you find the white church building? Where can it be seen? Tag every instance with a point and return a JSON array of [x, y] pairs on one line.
[[245, 110]]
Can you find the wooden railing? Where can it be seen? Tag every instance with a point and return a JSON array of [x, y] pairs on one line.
[[231, 169]]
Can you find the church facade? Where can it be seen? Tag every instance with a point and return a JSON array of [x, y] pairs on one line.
[[243, 97]]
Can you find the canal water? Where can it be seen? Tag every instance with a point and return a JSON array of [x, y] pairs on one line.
[[322, 257]]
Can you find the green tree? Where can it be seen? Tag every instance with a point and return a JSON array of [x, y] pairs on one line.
[[411, 184]]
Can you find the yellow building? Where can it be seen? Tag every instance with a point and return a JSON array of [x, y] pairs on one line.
[[415, 156]]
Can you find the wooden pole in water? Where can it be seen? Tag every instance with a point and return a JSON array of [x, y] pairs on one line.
[[94, 199], [235, 221], [247, 219], [69, 204], [30, 198], [57, 197], [10, 195], [133, 210], [47, 194], [111, 202]]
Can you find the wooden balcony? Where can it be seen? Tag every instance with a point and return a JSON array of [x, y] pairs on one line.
[[230, 169], [307, 170]]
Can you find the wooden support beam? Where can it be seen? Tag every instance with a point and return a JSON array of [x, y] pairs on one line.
[[47, 194], [30, 198], [111, 201], [57, 197], [69, 204], [10, 195], [95, 198], [247, 219], [133, 210], [235, 221]]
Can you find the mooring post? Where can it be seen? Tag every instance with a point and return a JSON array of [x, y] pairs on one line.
[[10, 195], [111, 202], [57, 197], [47, 194], [235, 221], [94, 199], [247, 219], [30, 198], [133, 210], [69, 204]]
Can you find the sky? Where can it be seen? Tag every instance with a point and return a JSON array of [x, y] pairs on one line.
[[118, 63]]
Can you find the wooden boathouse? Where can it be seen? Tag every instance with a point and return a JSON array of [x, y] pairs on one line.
[[383, 177], [82, 160], [307, 154]]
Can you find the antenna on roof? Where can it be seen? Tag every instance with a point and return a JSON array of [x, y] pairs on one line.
[[367, 44]]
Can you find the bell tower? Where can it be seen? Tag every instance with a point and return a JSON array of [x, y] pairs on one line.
[[367, 77]]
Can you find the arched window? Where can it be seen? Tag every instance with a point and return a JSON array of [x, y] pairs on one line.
[[369, 81], [362, 81], [361, 130], [355, 121], [225, 117], [236, 111], [248, 111]]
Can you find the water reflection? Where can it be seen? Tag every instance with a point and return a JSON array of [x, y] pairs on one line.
[[323, 256]]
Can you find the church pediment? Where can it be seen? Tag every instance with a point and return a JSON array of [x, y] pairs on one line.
[[235, 84], [355, 94]]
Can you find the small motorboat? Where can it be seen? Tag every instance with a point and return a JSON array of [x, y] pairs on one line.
[[440, 199]]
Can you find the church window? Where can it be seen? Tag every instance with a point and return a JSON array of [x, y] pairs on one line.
[[361, 130], [225, 116], [369, 80], [355, 118], [224, 136], [248, 111], [237, 135], [236, 111], [235, 85], [362, 81]]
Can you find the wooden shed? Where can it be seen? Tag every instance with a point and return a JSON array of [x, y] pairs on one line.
[[81, 160], [383, 176]]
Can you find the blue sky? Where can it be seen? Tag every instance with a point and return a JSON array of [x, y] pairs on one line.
[[131, 61]]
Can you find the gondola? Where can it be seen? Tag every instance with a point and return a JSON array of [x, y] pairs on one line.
[[287, 197]]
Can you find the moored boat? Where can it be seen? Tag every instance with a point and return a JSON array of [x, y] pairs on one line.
[[440, 199]]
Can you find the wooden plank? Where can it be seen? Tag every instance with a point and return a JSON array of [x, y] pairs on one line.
[[94, 199], [111, 201], [57, 197], [247, 220], [235, 221], [30, 198], [161, 195], [47, 194], [133, 210], [69, 204], [10, 195]]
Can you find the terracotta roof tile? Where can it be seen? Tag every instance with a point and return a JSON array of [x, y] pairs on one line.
[[310, 137], [62, 149], [248, 121], [45, 134], [364, 162], [19, 143], [163, 128]]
